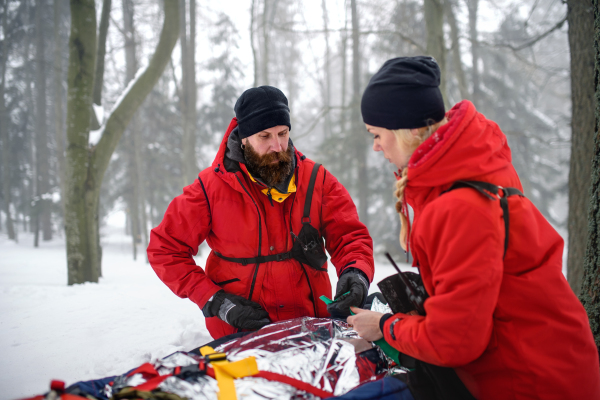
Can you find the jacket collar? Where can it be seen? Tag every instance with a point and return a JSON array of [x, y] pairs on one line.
[[467, 147]]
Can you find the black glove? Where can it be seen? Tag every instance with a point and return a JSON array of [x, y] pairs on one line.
[[357, 283], [236, 311]]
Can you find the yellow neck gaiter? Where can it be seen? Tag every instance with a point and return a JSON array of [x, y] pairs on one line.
[[275, 194]]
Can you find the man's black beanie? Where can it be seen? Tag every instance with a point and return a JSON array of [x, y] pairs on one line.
[[404, 94], [261, 108]]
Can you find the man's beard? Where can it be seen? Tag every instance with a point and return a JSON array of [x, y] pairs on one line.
[[272, 174]]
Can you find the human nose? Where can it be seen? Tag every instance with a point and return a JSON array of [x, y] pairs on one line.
[[376, 146], [276, 145]]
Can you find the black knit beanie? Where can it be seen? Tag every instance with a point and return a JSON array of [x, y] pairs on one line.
[[404, 94], [261, 108]]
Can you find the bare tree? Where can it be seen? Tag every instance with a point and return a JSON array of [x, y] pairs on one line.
[[43, 210], [100, 54], [86, 165], [456, 53], [590, 290], [59, 125], [434, 20], [6, 156], [360, 147], [252, 41], [473, 5], [131, 135], [327, 68], [581, 41], [188, 92]]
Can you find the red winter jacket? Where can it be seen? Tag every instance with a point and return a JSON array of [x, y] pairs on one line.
[[512, 328], [236, 219]]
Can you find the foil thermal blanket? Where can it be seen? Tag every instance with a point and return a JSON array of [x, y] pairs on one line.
[[324, 353]]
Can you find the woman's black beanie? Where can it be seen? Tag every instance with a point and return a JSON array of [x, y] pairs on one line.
[[404, 94], [261, 108]]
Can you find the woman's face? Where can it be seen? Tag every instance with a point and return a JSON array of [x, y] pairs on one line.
[[395, 151]]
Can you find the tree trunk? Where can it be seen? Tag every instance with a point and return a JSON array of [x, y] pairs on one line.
[[133, 130], [590, 289], [581, 41], [344, 78], [456, 53], [252, 41], [472, 5], [42, 151], [86, 165], [188, 53], [100, 55], [81, 199], [33, 178], [434, 21], [140, 192], [58, 104], [360, 147], [327, 79], [6, 153], [265, 51]]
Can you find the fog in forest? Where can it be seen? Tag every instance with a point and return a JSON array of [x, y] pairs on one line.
[[510, 58]]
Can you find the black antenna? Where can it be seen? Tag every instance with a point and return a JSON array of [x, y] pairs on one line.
[[415, 299]]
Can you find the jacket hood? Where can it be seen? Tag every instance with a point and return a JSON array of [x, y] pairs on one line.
[[467, 147]]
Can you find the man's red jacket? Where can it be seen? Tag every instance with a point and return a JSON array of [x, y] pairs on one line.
[[510, 326], [228, 210]]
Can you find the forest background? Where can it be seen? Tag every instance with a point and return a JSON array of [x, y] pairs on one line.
[[158, 79]]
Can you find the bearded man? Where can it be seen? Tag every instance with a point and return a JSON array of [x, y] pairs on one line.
[[264, 209]]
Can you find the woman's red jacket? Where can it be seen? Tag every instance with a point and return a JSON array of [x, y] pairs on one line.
[[236, 219], [510, 326]]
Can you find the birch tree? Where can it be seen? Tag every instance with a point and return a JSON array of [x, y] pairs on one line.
[[87, 163]]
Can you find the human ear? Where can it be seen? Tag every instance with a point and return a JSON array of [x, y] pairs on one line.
[[414, 132]]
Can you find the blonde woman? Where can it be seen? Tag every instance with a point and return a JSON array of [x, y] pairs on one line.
[[499, 311]]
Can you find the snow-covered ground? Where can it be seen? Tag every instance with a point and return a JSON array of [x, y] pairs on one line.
[[49, 330]]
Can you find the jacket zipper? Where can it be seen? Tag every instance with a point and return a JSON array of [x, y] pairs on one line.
[[259, 237], [312, 294]]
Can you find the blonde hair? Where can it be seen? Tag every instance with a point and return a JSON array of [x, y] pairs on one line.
[[412, 142]]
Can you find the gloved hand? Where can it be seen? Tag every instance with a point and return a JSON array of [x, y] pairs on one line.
[[236, 311], [357, 283]]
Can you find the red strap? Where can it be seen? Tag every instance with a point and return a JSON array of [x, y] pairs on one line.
[[68, 396], [146, 369], [58, 386], [307, 387], [153, 383]]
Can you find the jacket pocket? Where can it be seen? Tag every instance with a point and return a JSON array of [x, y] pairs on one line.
[[223, 283]]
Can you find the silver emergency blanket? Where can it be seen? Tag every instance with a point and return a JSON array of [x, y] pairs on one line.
[[381, 307], [322, 352]]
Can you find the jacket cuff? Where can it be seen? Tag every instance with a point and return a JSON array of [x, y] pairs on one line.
[[383, 319], [389, 325], [202, 298], [359, 266]]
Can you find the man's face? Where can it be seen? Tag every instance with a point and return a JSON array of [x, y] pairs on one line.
[[272, 140], [268, 155]]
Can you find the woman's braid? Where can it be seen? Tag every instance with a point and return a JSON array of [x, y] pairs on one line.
[[401, 208]]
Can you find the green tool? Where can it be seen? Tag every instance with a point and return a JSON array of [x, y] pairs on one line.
[[383, 345], [328, 301]]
